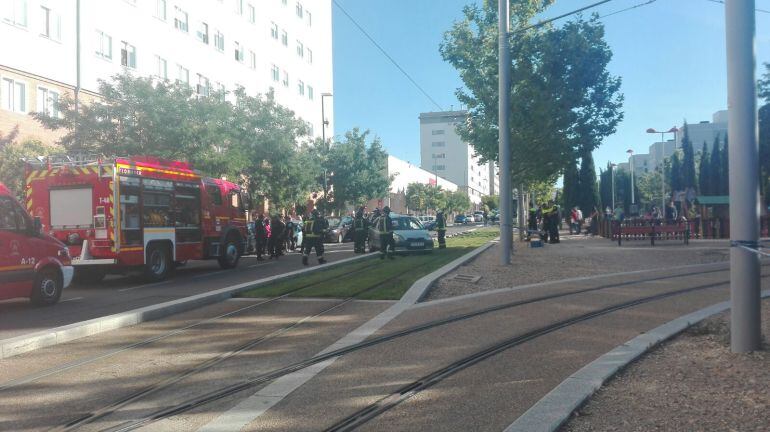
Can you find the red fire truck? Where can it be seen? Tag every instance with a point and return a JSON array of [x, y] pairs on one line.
[[136, 213]]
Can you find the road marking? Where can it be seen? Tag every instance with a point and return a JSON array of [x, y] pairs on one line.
[[262, 264], [72, 299]]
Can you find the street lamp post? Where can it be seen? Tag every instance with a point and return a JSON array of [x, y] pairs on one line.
[[324, 123], [673, 130]]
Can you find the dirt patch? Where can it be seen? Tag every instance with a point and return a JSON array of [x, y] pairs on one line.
[[692, 383], [575, 256]]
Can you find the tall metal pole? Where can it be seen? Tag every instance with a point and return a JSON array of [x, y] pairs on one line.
[[631, 159], [663, 174], [504, 86], [745, 331], [612, 167]]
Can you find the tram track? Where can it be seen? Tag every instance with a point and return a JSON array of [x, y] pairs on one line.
[[270, 376]]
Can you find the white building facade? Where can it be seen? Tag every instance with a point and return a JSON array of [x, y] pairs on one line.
[[284, 46], [444, 153]]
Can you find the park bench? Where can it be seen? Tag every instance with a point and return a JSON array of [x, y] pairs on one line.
[[654, 232]]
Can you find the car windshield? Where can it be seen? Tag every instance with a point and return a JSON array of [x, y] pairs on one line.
[[333, 222], [406, 223]]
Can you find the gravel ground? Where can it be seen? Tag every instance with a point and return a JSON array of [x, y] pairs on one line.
[[692, 383], [575, 256]]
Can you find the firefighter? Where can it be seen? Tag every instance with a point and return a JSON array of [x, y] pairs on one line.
[[441, 229], [260, 233], [553, 222], [277, 229], [361, 230], [289, 240], [385, 228], [375, 215], [313, 232]]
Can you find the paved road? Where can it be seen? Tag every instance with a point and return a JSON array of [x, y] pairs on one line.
[[487, 396], [118, 294]]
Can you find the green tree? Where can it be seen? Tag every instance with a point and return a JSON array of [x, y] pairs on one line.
[[675, 177], [435, 197], [764, 135], [588, 196], [570, 193], [12, 155], [457, 202], [417, 196], [563, 99], [724, 170], [650, 189], [688, 161], [704, 171], [358, 167], [715, 168], [490, 202]]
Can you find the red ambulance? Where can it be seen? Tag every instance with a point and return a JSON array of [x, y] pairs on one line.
[[32, 264], [139, 213]]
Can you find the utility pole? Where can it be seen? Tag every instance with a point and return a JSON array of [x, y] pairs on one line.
[[504, 86], [745, 324]]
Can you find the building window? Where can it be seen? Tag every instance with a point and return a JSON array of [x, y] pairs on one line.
[[221, 91], [300, 49], [252, 13], [252, 59], [13, 96], [285, 38], [238, 50], [285, 79], [15, 12], [439, 156], [160, 9], [161, 70], [182, 74], [299, 9], [239, 7], [204, 87], [439, 167], [219, 41], [104, 46], [128, 55], [203, 33], [309, 19], [310, 94], [301, 87], [274, 73], [50, 24], [309, 55], [274, 31], [284, 2], [48, 101], [438, 144], [437, 132], [180, 19]]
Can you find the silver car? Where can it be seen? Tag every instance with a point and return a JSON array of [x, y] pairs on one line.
[[408, 234]]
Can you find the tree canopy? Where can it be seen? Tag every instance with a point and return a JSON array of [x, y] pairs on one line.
[[563, 99]]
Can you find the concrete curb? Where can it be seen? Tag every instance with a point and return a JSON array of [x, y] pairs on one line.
[[555, 408], [260, 402], [29, 342]]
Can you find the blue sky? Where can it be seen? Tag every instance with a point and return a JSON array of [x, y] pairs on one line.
[[670, 55]]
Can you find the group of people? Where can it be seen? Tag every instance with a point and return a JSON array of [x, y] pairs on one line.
[[273, 236], [545, 220]]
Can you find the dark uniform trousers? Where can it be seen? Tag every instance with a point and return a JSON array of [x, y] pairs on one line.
[[312, 240], [386, 237], [359, 235]]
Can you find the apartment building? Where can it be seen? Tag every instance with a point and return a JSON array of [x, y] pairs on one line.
[[444, 153], [53, 47]]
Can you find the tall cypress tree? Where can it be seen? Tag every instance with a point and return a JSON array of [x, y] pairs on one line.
[[725, 170], [688, 161], [570, 192], [715, 168], [676, 173], [588, 194], [704, 171]]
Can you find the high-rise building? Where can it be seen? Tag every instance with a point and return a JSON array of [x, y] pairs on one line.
[[444, 153], [706, 131], [262, 45]]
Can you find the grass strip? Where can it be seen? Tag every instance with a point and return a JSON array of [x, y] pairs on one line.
[[388, 280]]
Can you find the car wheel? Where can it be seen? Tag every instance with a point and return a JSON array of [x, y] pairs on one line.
[[158, 264], [47, 289], [339, 238], [230, 255]]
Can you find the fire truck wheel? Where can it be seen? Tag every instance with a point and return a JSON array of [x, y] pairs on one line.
[[158, 263], [48, 287], [88, 276], [231, 255]]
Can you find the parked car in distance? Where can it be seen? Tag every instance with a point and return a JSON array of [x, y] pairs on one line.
[[461, 219], [32, 264], [426, 218], [409, 235], [339, 229], [430, 225], [478, 216]]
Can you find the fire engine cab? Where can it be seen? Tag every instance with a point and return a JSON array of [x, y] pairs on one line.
[[136, 213]]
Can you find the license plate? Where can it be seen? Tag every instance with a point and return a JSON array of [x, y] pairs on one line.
[[417, 244]]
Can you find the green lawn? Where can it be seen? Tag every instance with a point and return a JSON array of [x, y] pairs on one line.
[[375, 279]]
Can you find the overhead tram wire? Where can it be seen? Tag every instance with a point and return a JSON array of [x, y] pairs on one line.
[[723, 2], [628, 8], [388, 56]]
